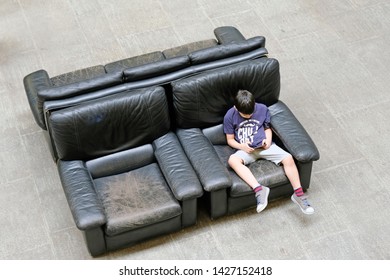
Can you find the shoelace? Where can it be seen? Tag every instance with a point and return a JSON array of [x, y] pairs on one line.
[[305, 202]]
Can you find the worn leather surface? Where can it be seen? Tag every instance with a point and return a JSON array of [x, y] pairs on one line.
[[204, 159], [202, 100], [292, 134], [226, 50], [176, 168], [215, 134], [188, 48], [79, 189], [267, 173], [120, 162], [81, 87], [112, 124], [135, 199], [228, 34], [78, 75], [33, 83], [151, 70], [120, 65]]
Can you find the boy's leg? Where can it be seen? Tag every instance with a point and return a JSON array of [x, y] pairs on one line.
[[279, 156], [291, 171], [261, 192], [237, 164], [292, 174]]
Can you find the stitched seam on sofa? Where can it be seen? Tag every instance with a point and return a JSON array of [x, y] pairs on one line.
[[149, 112], [197, 100], [77, 135]]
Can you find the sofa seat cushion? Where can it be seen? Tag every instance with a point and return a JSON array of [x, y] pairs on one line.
[[136, 199], [190, 47], [266, 172], [123, 64], [78, 75]]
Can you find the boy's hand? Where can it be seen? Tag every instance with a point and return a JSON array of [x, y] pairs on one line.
[[246, 148]]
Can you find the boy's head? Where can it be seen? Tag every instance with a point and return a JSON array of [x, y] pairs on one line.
[[245, 102]]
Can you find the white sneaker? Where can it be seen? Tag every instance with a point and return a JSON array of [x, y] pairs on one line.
[[303, 203], [262, 199]]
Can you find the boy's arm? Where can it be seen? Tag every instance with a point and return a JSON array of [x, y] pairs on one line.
[[268, 138], [234, 144]]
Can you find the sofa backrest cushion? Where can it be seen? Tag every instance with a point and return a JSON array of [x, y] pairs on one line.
[[226, 50], [121, 162], [202, 100], [190, 47], [111, 124], [81, 87], [78, 75], [120, 65], [154, 69]]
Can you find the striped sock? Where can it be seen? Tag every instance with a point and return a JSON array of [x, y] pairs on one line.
[[299, 191], [258, 188]]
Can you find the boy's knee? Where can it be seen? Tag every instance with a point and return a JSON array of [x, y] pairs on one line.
[[288, 160], [234, 160]]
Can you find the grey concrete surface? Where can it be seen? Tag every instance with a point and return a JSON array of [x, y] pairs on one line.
[[335, 65]]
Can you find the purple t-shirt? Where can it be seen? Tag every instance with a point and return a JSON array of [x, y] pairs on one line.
[[248, 130]]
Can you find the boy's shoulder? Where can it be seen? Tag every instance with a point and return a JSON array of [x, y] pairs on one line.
[[261, 105], [230, 111]]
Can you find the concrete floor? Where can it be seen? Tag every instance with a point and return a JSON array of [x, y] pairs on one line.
[[335, 64]]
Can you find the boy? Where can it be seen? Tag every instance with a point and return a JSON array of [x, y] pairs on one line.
[[247, 129]]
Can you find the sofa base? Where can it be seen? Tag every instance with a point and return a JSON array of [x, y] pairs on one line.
[[98, 243], [238, 204]]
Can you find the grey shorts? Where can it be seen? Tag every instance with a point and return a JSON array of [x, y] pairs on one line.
[[274, 153]]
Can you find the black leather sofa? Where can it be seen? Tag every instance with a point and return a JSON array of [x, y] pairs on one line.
[[200, 103], [124, 173], [122, 132]]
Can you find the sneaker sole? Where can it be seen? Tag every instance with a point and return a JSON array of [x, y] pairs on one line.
[[303, 211], [265, 204]]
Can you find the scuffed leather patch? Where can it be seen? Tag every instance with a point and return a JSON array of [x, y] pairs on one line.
[[135, 199]]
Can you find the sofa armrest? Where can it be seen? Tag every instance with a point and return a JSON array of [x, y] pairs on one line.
[[176, 168], [228, 34], [82, 199], [292, 134], [211, 172], [33, 83]]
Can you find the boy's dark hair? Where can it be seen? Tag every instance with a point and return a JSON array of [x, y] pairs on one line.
[[244, 102]]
